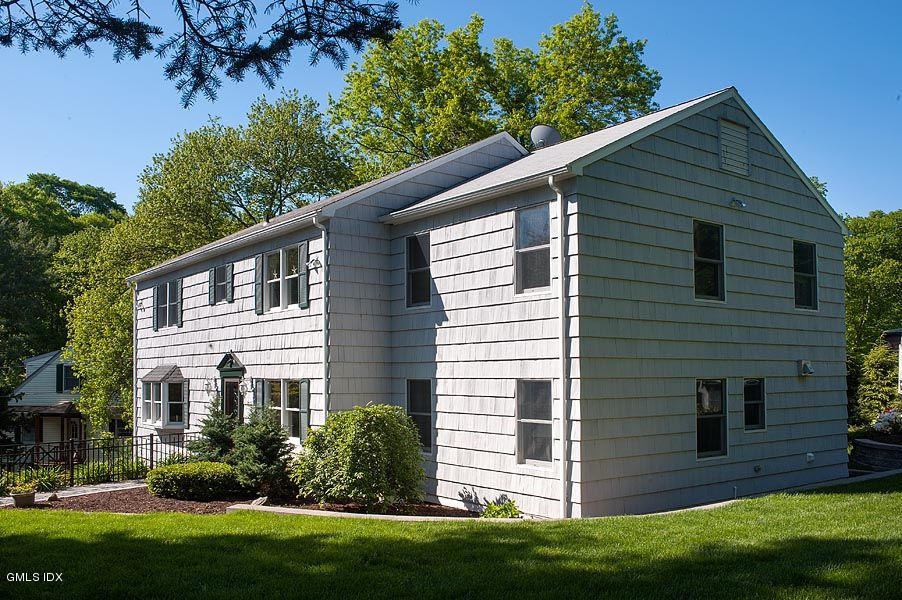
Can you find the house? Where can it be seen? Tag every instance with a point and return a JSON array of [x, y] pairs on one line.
[[645, 317], [46, 403]]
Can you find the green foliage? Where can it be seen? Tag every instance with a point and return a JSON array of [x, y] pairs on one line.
[[23, 487], [113, 469], [427, 92], [370, 455], [261, 454], [878, 391], [501, 510], [43, 479], [216, 435], [178, 458], [193, 481]]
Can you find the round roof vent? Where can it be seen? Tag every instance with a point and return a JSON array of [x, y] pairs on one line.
[[543, 136]]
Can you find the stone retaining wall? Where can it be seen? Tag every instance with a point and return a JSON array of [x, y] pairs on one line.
[[876, 455]]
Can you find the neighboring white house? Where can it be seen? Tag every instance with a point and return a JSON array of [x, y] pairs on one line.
[[46, 403], [893, 337], [696, 351]]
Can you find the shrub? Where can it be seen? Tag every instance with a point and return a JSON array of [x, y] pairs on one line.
[[501, 510], [23, 487], [193, 481], [877, 392], [370, 454], [889, 422], [216, 435], [45, 479], [261, 454], [175, 459]]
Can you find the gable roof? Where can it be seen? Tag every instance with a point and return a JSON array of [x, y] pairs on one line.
[[48, 359], [326, 208], [571, 157]]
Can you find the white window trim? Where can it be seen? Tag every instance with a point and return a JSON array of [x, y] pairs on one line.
[[763, 401], [408, 271], [531, 463], [283, 406], [283, 279], [432, 403], [726, 416], [163, 422], [723, 262], [538, 291], [225, 283], [817, 294], [167, 304]]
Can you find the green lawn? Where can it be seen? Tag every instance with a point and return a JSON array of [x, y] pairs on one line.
[[838, 543]]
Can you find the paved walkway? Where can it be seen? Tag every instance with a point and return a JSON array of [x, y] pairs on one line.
[[82, 490]]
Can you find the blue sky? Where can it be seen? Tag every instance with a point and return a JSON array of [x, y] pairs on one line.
[[826, 78]]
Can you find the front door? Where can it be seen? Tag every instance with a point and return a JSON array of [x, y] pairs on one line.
[[231, 401]]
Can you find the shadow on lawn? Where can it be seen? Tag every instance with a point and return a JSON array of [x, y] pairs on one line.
[[482, 561]]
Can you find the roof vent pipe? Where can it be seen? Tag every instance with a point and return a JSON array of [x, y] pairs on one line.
[[543, 136]]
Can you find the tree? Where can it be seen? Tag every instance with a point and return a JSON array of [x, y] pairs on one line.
[[77, 199], [878, 390], [30, 321], [210, 38], [425, 93]]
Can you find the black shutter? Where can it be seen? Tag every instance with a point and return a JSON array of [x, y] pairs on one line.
[[153, 304], [258, 284], [211, 290], [303, 292], [230, 284], [60, 371], [178, 298]]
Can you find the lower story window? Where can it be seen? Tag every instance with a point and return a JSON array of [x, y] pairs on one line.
[[164, 403], [419, 407], [711, 417], [175, 402], [289, 399], [534, 420], [753, 399]]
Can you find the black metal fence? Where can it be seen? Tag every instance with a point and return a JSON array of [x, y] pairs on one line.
[[79, 462]]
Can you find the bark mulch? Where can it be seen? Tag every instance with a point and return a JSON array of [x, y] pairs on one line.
[[138, 500]]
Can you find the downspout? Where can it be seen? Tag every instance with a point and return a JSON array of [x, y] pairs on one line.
[[134, 286], [565, 363], [325, 241]]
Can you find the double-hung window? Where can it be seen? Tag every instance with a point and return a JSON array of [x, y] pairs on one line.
[[804, 262], [533, 248], [289, 400], [708, 243], [419, 279], [175, 402], [711, 417], [753, 399], [164, 404], [274, 279], [221, 283], [534, 434], [292, 275], [70, 381], [166, 304], [419, 407]]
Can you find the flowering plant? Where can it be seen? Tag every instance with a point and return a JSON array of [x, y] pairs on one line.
[[889, 422]]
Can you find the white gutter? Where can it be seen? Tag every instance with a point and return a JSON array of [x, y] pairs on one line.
[[326, 376], [565, 364]]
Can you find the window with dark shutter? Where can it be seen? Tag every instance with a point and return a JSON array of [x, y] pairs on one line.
[[419, 280], [221, 283]]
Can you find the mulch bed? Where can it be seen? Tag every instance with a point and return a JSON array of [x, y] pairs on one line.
[[139, 500]]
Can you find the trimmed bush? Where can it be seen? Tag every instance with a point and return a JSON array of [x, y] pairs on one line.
[[501, 510], [175, 459], [262, 454], [193, 481], [370, 455]]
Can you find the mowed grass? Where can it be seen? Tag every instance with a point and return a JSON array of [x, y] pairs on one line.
[[843, 542]]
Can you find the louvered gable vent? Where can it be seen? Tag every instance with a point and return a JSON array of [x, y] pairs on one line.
[[734, 147]]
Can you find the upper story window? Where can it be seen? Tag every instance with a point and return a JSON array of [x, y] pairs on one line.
[[65, 378], [419, 280], [221, 284], [419, 408], [281, 279], [168, 304], [708, 243], [804, 261], [533, 248], [534, 434], [711, 417], [734, 147]]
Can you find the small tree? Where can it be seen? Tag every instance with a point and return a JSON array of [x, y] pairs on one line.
[[216, 435], [370, 454], [878, 391], [261, 453]]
